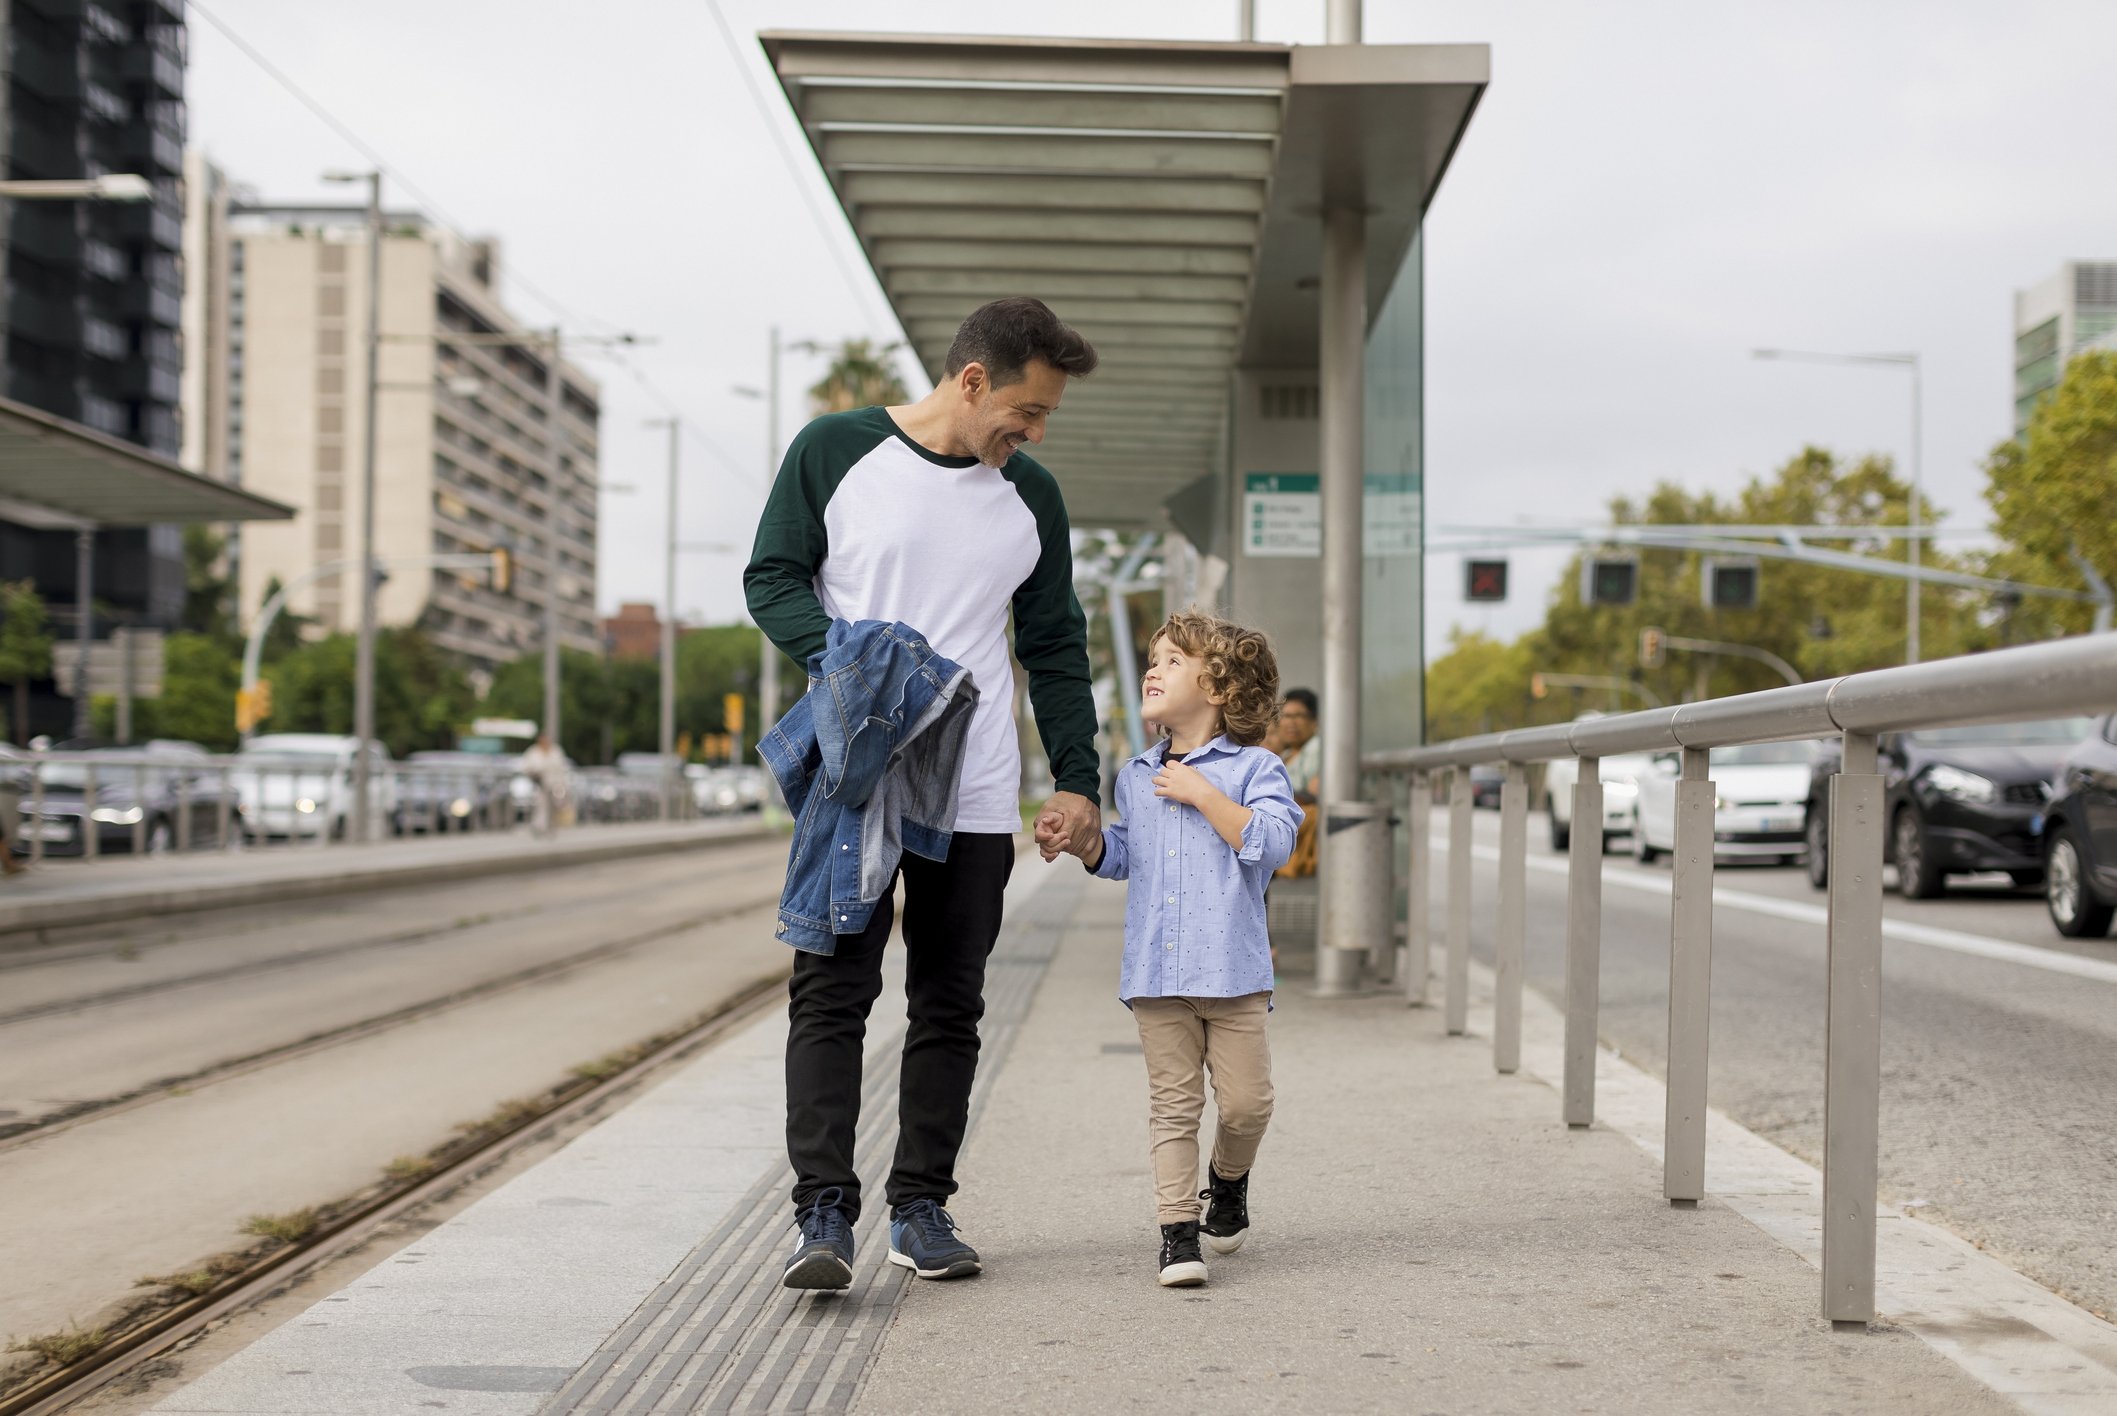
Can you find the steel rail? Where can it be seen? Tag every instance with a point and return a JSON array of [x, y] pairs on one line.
[[125, 1353]]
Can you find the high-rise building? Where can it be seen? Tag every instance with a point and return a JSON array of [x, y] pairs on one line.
[[89, 318], [463, 442], [2055, 319]]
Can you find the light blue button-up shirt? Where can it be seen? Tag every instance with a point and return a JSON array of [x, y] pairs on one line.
[[1194, 908]]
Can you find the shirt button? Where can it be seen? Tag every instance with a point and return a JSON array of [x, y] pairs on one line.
[[1172, 850], [1172, 811], [1171, 899], [1171, 944]]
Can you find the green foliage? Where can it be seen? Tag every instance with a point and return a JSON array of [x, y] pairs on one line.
[[2054, 492], [25, 645], [422, 698], [200, 673], [1823, 620], [288, 632], [209, 593], [860, 376]]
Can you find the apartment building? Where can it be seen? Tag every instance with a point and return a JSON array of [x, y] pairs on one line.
[[464, 440], [2070, 311]]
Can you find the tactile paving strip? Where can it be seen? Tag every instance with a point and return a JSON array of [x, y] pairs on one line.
[[720, 1334]]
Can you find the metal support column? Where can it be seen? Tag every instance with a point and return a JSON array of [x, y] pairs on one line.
[[1583, 942], [1852, 1081], [1418, 891], [1690, 982], [672, 773], [1349, 884], [363, 822], [84, 624], [1510, 944], [1457, 1010]]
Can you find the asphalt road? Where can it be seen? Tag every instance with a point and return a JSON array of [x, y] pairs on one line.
[[162, 1081], [1999, 1077]]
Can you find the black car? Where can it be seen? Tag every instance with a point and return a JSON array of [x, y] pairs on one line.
[[2080, 837], [1485, 783], [1960, 800], [142, 795], [452, 791]]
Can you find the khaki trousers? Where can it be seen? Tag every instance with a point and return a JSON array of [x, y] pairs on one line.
[[1184, 1039]]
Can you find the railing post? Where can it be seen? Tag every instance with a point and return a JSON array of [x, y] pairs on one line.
[[36, 806], [1458, 1001], [183, 811], [1690, 982], [1418, 907], [224, 810], [1509, 943], [91, 838], [139, 804], [1583, 942], [1852, 1083]]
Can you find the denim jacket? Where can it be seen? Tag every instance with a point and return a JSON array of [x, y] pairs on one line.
[[868, 761]]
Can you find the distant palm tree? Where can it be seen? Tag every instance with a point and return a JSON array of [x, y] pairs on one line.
[[860, 375]]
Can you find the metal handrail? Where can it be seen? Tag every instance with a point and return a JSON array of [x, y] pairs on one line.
[[2055, 679]]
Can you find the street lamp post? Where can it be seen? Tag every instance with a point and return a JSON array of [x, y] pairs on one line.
[[554, 399], [668, 645], [1915, 512], [364, 645]]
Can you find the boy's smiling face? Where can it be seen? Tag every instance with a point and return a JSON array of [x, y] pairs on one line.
[[1171, 695]]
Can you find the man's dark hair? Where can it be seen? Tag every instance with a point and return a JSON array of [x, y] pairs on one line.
[[1007, 335], [1306, 697]]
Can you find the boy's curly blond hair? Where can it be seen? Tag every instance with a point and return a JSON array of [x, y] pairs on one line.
[[1237, 665]]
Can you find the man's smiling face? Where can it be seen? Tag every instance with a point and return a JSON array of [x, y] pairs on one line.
[[997, 421]]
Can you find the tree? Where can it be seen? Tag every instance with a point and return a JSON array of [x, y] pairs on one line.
[[289, 630], [860, 376], [585, 699], [209, 592], [2053, 493], [1480, 686], [200, 673], [25, 645], [422, 698]]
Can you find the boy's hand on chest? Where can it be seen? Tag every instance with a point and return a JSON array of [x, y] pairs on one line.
[[1181, 782]]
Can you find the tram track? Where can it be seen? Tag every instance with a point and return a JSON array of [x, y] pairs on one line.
[[353, 1225]]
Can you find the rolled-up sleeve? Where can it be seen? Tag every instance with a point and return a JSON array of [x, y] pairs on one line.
[[1268, 837], [1116, 863]]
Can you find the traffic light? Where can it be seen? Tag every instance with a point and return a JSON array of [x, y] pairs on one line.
[[731, 713], [1653, 648], [1729, 584], [253, 705], [1536, 685], [1485, 581], [1609, 580], [503, 569]]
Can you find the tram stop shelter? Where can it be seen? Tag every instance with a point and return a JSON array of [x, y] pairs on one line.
[[1167, 199], [58, 476]]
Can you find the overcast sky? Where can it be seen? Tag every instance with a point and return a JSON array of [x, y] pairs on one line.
[[1648, 191]]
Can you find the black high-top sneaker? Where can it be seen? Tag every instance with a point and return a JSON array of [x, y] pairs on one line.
[[1227, 1211], [1182, 1266]]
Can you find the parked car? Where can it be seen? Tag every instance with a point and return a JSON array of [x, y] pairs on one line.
[[1760, 806], [1485, 783], [2080, 837], [300, 785], [1959, 800], [1620, 791], [715, 790], [450, 791], [147, 791]]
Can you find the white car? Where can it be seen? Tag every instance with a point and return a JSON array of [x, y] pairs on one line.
[[1620, 791], [300, 785], [1761, 806]]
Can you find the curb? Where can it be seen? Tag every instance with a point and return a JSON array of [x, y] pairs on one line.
[[30, 916]]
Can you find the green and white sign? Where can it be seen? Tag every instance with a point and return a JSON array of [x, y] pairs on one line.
[[1282, 514]]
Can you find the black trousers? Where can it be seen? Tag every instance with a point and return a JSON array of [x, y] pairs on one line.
[[951, 920]]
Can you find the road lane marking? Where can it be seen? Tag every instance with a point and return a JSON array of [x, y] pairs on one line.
[[1954, 941]]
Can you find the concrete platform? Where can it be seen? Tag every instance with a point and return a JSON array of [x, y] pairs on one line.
[[66, 893], [1427, 1237]]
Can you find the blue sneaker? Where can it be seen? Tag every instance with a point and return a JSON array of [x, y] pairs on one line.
[[922, 1238], [825, 1258]]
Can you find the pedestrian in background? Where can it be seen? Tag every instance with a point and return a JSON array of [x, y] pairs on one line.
[[1302, 751], [546, 768], [1205, 816]]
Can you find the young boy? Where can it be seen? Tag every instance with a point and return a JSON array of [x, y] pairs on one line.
[[1206, 816]]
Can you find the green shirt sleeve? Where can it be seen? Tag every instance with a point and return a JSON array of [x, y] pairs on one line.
[[1051, 639], [780, 580]]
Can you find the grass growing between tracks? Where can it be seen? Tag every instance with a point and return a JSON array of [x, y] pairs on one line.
[[64, 1347]]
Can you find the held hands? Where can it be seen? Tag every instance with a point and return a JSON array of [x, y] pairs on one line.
[[1069, 824]]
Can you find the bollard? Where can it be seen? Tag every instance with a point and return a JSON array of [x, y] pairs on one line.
[[1690, 982], [1456, 1006], [1510, 944], [1583, 943], [1355, 891], [1418, 906], [1852, 1066]]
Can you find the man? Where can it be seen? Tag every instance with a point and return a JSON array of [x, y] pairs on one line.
[[545, 767], [930, 514]]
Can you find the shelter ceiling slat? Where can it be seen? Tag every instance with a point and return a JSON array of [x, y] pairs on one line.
[[1086, 155], [974, 287], [1053, 192], [1025, 107], [893, 255], [1104, 228]]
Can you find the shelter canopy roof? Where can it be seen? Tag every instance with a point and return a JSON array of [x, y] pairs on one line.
[[1162, 197], [56, 474]]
